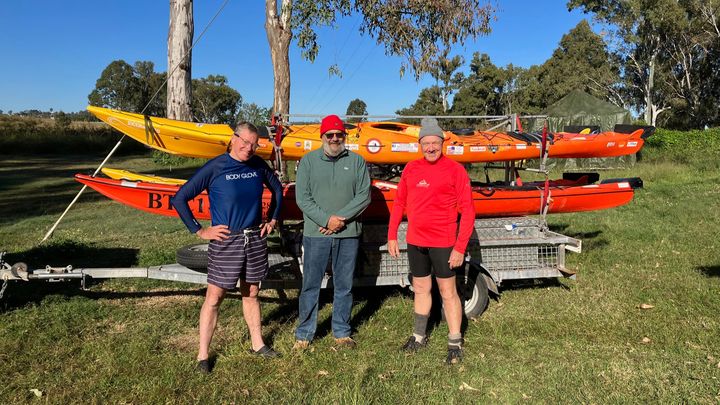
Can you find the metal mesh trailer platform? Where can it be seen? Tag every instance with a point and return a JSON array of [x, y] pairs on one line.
[[499, 249], [507, 248]]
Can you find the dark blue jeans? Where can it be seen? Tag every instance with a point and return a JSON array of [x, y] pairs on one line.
[[343, 253]]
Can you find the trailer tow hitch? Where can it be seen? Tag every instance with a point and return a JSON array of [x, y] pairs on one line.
[[17, 271]]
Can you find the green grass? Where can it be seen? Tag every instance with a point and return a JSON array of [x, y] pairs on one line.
[[566, 341]]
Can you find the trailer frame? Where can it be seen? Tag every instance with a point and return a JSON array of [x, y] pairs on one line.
[[500, 249]]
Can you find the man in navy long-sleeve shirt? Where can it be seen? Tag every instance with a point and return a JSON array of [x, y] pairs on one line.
[[237, 235]]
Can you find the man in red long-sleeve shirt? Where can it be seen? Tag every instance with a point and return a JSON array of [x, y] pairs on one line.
[[433, 191]]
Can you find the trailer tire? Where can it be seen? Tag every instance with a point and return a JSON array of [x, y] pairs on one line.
[[473, 291], [193, 256]]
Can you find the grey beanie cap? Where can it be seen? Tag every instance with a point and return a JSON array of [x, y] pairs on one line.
[[430, 126]]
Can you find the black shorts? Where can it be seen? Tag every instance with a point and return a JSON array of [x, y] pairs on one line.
[[242, 255], [433, 260]]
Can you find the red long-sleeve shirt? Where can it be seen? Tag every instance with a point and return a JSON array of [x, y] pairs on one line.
[[433, 194]]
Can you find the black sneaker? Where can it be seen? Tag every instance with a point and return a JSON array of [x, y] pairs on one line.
[[266, 352], [203, 366], [412, 345], [454, 356]]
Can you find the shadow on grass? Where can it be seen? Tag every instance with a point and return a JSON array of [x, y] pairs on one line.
[[45, 186], [20, 293], [371, 297], [562, 228], [529, 284], [50, 200], [62, 253], [709, 271], [285, 312]]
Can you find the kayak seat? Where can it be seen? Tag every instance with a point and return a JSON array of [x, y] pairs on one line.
[[532, 137], [591, 177], [463, 131], [582, 129], [525, 137]]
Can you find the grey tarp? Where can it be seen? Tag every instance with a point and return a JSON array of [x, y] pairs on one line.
[[580, 108]]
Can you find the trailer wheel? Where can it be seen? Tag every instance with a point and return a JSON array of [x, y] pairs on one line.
[[473, 291], [193, 256]]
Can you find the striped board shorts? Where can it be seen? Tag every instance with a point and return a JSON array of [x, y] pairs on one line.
[[242, 254]]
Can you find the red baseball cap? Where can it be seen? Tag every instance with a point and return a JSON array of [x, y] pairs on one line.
[[331, 123]]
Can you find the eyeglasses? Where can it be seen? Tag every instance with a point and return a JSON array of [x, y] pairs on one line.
[[246, 143], [340, 135]]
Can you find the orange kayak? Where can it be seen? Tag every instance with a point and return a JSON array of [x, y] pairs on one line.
[[489, 200], [377, 142]]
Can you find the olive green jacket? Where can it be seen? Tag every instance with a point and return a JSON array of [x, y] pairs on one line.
[[328, 186]]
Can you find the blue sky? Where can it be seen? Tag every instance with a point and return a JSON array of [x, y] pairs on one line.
[[53, 52]]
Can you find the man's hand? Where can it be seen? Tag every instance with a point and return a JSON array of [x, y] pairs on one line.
[[335, 223], [217, 232], [456, 259], [325, 231], [393, 248], [267, 227]]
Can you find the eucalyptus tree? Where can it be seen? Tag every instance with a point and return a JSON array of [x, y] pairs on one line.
[[356, 107], [418, 31], [214, 101], [690, 68], [179, 84], [581, 62], [446, 77], [427, 103], [117, 87]]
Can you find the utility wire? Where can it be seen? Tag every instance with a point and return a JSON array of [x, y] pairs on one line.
[[117, 145], [345, 61]]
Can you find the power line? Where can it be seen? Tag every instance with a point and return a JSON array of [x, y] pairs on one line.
[[97, 170]]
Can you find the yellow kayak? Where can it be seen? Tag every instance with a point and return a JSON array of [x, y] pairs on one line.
[[118, 174], [376, 142], [209, 140]]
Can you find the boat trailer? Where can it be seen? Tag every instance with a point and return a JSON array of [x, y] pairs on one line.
[[500, 249]]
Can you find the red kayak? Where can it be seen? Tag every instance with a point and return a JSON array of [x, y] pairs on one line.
[[490, 200]]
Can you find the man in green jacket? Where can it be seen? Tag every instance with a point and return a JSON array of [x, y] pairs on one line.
[[332, 189]]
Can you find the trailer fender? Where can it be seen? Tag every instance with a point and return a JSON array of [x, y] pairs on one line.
[[489, 280]]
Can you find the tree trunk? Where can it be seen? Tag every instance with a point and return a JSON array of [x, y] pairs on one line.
[[180, 36], [649, 86], [279, 34], [444, 95]]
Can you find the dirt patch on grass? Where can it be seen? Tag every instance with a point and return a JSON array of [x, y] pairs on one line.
[[168, 300], [186, 341]]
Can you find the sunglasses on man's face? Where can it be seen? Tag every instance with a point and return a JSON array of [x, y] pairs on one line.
[[340, 135]]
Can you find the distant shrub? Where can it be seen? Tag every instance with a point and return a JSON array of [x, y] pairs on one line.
[[62, 121], [699, 148], [25, 135], [708, 139], [170, 160]]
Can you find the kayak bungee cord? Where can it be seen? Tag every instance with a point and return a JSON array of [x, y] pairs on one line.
[[117, 145]]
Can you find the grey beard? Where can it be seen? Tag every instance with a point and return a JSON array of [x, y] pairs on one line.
[[329, 152]]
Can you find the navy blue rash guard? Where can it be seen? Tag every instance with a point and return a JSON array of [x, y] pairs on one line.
[[235, 191]]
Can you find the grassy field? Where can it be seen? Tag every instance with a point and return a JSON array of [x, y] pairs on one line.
[[589, 340]]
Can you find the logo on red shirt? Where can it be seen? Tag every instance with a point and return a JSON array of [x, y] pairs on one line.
[[423, 183]]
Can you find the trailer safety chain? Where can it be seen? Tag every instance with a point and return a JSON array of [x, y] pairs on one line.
[[4, 286]]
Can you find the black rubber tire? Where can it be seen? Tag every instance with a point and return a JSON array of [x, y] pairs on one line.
[[473, 291], [193, 256]]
